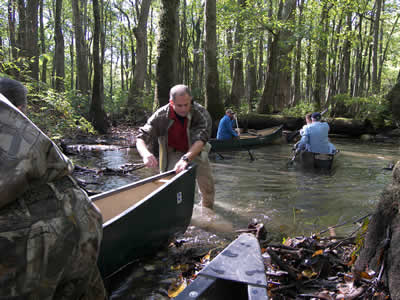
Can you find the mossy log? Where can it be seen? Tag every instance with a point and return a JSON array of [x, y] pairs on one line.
[[345, 126], [350, 127], [258, 121]]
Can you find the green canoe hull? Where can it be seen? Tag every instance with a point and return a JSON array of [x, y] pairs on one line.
[[246, 140], [150, 223]]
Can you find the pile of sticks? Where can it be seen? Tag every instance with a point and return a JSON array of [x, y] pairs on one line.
[[318, 267]]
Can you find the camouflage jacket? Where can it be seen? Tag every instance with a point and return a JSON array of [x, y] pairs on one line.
[[198, 129], [27, 156]]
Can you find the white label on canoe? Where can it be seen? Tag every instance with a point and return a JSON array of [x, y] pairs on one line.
[[179, 198]]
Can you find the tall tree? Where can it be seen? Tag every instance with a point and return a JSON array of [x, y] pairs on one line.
[[277, 85], [29, 35], [43, 76], [375, 44], [320, 64], [167, 51], [96, 112], [212, 100], [59, 49], [81, 49], [237, 90], [140, 31]]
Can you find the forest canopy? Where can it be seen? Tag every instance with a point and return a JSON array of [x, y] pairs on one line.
[[111, 60]]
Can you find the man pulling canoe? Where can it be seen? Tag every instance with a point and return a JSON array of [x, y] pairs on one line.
[[182, 128]]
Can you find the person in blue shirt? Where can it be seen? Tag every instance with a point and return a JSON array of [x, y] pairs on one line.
[[315, 137], [225, 127]]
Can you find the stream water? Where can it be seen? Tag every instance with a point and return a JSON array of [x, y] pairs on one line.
[[287, 200]]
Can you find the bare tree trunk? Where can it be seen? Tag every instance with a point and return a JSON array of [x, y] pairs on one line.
[[43, 76], [297, 71], [139, 75], [167, 51], [32, 37], [277, 86], [72, 55], [260, 79], [196, 55], [212, 99], [122, 63], [237, 91], [96, 112], [81, 50], [309, 73], [11, 28], [320, 65], [59, 49], [344, 76], [375, 54], [251, 77]]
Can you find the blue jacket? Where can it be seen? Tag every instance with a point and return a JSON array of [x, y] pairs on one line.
[[225, 129], [315, 138]]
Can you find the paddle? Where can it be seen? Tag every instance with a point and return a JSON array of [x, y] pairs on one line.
[[240, 144], [291, 136]]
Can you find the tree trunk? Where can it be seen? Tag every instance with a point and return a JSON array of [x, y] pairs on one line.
[[32, 37], [139, 75], [97, 114], [43, 76], [320, 65], [81, 50], [345, 70], [11, 28], [237, 90], [59, 49], [196, 84], [251, 77], [213, 102], [394, 98], [260, 79], [297, 70], [380, 250], [167, 51], [375, 44], [277, 86]]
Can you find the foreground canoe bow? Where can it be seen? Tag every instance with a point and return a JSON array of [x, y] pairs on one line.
[[248, 140], [141, 217], [236, 273]]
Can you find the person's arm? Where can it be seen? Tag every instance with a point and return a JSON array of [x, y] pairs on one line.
[[193, 151], [148, 158], [233, 125]]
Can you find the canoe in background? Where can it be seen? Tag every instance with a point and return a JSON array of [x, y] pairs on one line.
[[141, 217], [309, 160], [236, 273], [248, 140]]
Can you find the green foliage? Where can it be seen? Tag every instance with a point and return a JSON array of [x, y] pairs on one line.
[[53, 113], [375, 108], [300, 110]]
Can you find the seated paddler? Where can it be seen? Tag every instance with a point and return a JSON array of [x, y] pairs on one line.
[[315, 137], [226, 125]]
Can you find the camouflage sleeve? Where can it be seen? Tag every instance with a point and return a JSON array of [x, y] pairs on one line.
[[27, 155], [201, 125]]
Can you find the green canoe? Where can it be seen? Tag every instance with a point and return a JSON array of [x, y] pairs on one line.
[[141, 217], [248, 140], [311, 160]]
